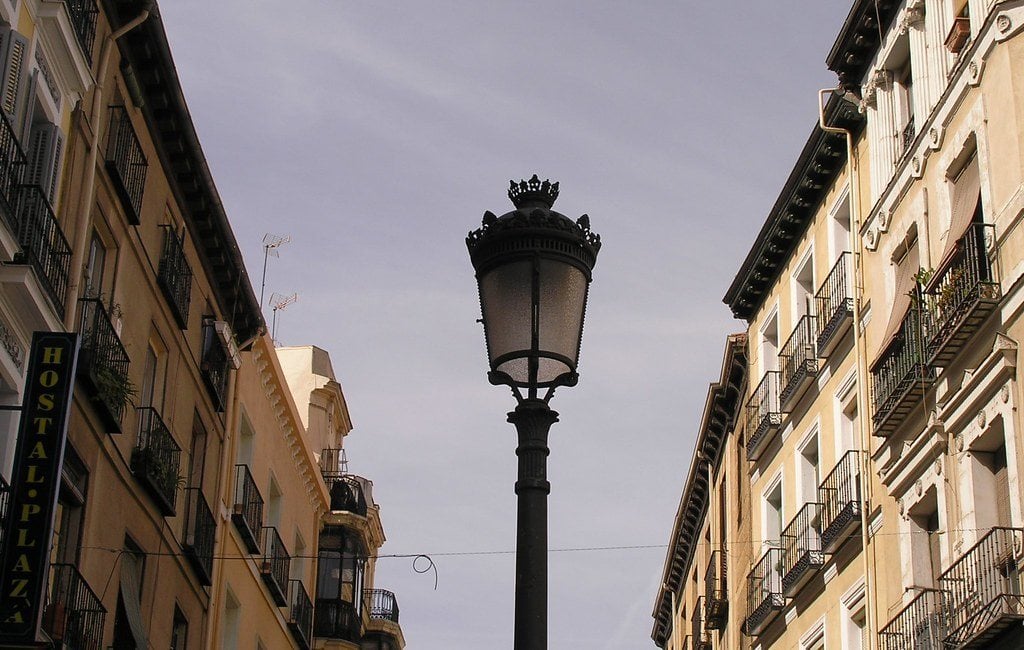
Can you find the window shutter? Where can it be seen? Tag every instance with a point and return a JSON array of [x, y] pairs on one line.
[[45, 150], [14, 52]]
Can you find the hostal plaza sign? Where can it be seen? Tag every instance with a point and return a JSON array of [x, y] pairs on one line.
[[35, 484]]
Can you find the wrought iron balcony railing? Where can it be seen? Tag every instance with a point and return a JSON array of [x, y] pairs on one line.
[[834, 302], [347, 495], [276, 565], [799, 361], [962, 295], [73, 616], [907, 137], [175, 276], [12, 171], [126, 163], [841, 504], [985, 591], [214, 364], [700, 639], [103, 363], [5, 499], [802, 554], [43, 244], [716, 592], [156, 460], [300, 614], [247, 513], [764, 592], [763, 415], [382, 604], [336, 619], [200, 532], [333, 464], [83, 14], [921, 625], [900, 377]]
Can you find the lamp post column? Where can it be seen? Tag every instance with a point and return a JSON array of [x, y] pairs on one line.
[[533, 419]]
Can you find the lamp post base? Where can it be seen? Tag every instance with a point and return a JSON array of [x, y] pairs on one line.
[[533, 419]]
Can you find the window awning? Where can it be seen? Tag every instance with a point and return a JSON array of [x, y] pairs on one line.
[[966, 194], [906, 286]]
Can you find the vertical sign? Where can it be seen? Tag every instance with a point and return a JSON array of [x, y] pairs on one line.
[[35, 484]]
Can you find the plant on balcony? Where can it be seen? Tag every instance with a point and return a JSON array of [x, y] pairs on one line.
[[113, 387], [153, 464]]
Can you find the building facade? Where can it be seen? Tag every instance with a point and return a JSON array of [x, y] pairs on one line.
[[867, 492]]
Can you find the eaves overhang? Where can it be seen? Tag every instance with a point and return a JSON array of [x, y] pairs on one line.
[[859, 39], [721, 411], [820, 162], [147, 51]]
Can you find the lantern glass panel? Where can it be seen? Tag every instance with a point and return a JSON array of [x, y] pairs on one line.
[[505, 298], [563, 294]]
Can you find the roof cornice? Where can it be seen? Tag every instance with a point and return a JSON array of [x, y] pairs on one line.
[[859, 39], [820, 162]]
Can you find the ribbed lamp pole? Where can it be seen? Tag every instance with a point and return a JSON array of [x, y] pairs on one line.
[[533, 270]]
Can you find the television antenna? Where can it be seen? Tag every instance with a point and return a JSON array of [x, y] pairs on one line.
[[270, 245], [279, 302]]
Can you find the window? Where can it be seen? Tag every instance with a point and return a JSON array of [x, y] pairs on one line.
[[815, 638], [989, 475], [151, 393], [129, 629], [903, 87], [854, 619], [341, 566], [232, 613], [13, 57], [95, 265], [67, 525], [245, 442], [773, 523], [274, 504], [179, 631], [965, 207], [299, 560], [809, 469], [839, 226], [803, 288], [197, 454], [925, 540], [770, 343]]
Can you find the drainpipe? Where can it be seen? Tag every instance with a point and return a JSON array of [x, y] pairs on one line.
[[861, 365], [85, 212]]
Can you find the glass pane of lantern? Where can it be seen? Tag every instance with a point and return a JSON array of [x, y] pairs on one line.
[[563, 292], [505, 301]]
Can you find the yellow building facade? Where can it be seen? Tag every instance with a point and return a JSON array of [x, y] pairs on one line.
[[863, 489]]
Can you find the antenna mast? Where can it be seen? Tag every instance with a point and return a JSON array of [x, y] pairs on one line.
[[279, 302], [270, 245]]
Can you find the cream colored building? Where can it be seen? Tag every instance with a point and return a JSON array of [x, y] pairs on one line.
[[867, 493]]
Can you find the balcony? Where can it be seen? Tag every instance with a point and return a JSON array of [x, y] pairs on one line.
[[175, 276], [214, 363], [126, 163], [83, 15], [247, 513], [300, 614], [275, 566], [764, 592], [834, 302], [802, 554], [962, 295], [73, 616], [156, 460], [699, 638], [921, 625], [716, 594], [984, 590], [103, 364], [900, 378], [43, 245], [336, 619], [382, 604], [5, 499], [200, 531], [12, 169], [799, 361], [763, 415], [907, 137], [840, 502]]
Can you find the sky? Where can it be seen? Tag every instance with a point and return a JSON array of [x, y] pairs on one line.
[[376, 134]]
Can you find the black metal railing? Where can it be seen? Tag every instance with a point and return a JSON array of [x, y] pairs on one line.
[[103, 363], [764, 592], [840, 501], [921, 625], [214, 364], [200, 532], [963, 293], [333, 463], [247, 513], [763, 415], [73, 616], [336, 619], [798, 358], [382, 604], [83, 14], [126, 163], [300, 614], [175, 276], [275, 566], [901, 376], [156, 459], [347, 495], [43, 244], [984, 589], [801, 543], [907, 137], [716, 592], [12, 171], [701, 639], [834, 302], [5, 499]]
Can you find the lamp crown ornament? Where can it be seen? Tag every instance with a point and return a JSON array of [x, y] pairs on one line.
[[527, 193]]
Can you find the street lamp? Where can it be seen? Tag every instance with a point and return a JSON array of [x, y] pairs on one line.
[[533, 269]]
